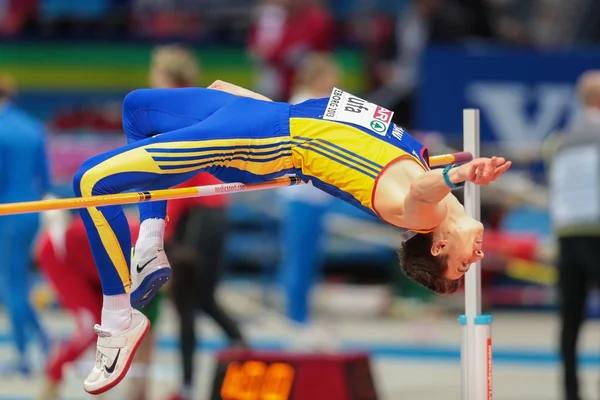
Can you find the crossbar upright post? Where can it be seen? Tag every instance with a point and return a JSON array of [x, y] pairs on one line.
[[476, 343]]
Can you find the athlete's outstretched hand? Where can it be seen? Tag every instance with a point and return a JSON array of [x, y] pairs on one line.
[[483, 171]]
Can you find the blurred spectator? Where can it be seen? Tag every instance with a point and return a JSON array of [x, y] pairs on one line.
[[195, 235], [283, 33], [574, 183], [318, 74], [15, 15], [304, 205], [421, 23], [24, 176], [265, 35], [180, 19], [587, 28]]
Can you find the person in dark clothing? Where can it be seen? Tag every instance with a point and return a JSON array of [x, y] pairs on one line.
[[198, 248], [574, 183]]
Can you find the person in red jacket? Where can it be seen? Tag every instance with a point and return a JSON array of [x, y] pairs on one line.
[[285, 32], [65, 259], [194, 235]]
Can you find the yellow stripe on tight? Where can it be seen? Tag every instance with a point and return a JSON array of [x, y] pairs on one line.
[[235, 142], [208, 143], [139, 160], [254, 165], [114, 165], [257, 168]]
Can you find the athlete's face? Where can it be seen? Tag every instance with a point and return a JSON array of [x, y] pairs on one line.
[[462, 245]]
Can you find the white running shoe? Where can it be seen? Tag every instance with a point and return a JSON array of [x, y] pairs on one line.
[[114, 353], [149, 271]]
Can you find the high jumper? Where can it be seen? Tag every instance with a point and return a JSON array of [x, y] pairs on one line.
[[344, 145]]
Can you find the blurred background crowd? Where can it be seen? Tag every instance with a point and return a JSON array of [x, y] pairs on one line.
[[295, 257]]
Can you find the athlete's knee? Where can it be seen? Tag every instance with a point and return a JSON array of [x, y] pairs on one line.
[[80, 183], [78, 178], [134, 102]]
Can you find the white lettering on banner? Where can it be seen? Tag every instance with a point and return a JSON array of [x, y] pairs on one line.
[[574, 192], [505, 106], [345, 107]]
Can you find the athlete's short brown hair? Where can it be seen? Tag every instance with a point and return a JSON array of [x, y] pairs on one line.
[[417, 262]]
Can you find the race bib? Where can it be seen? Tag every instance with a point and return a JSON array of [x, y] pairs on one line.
[[345, 107]]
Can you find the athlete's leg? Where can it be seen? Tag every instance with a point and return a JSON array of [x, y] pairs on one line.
[[257, 149], [131, 166], [117, 171], [147, 112]]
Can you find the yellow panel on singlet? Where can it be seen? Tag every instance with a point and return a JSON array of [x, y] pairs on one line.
[[345, 159]]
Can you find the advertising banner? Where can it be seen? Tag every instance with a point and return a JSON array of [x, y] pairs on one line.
[[523, 94]]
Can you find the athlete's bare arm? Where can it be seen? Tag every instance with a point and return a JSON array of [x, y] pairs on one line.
[[422, 200], [236, 90]]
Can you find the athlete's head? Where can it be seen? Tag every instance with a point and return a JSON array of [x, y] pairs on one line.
[[173, 66], [438, 260]]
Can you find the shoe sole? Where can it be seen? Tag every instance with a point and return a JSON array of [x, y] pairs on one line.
[[125, 369], [149, 286]]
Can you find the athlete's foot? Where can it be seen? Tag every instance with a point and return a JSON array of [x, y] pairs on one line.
[[114, 353], [150, 270]]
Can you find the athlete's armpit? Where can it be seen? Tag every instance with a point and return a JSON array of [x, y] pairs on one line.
[[422, 215], [410, 197]]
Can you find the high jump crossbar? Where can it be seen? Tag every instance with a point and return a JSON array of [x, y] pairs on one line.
[[179, 193]]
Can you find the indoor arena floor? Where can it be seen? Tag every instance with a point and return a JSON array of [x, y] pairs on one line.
[[412, 360]]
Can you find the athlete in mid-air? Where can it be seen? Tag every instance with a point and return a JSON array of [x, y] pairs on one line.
[[344, 145]]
